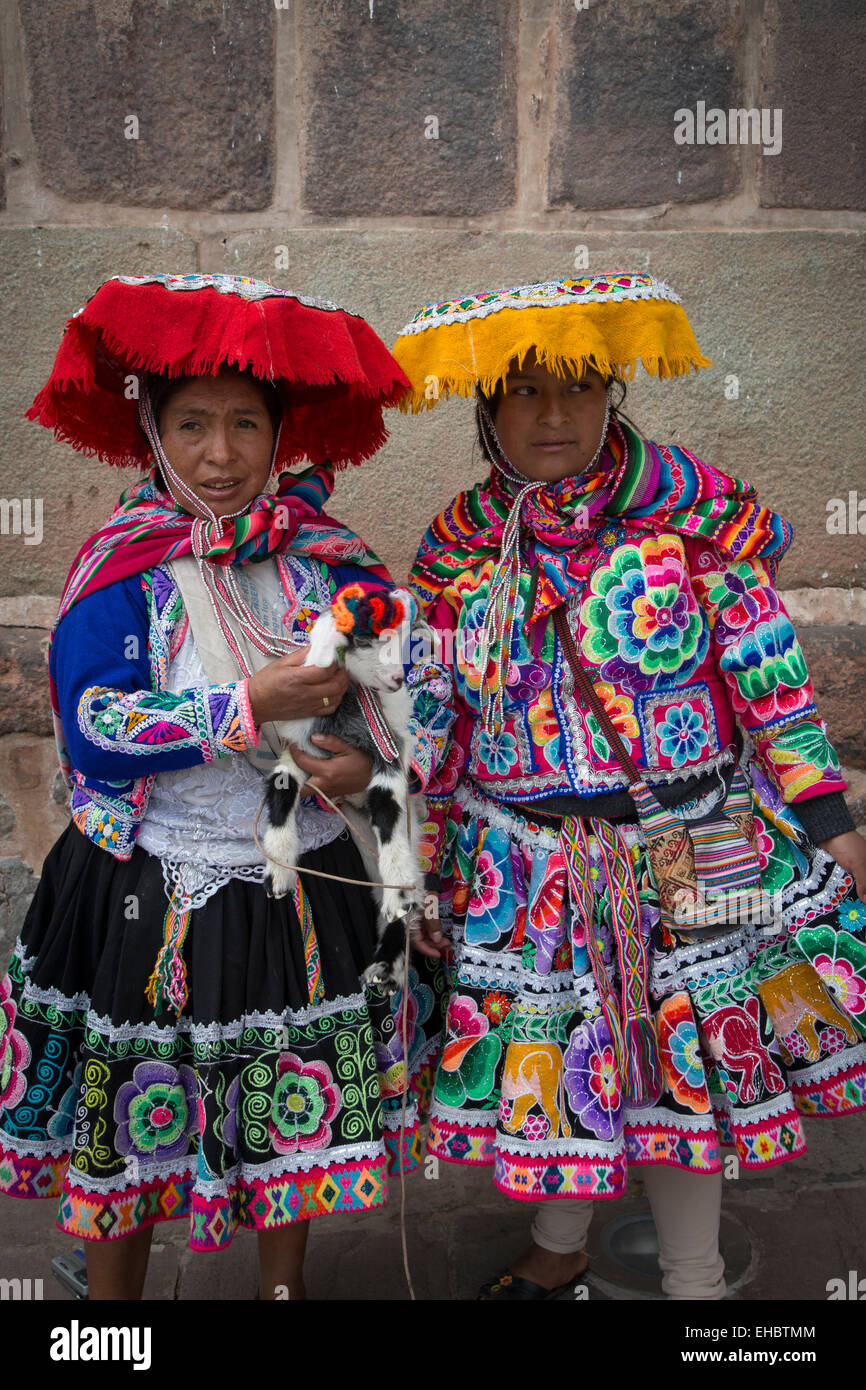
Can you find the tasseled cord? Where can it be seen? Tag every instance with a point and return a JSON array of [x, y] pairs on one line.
[[167, 985], [500, 618]]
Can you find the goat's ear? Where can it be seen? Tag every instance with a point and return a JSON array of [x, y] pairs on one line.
[[324, 640], [410, 604]]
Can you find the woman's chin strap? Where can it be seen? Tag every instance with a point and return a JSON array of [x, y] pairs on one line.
[[219, 581], [176, 486], [498, 630]]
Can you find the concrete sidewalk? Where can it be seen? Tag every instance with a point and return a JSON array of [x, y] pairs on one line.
[[785, 1233]]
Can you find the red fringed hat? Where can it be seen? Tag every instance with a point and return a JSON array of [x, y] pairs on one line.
[[337, 372]]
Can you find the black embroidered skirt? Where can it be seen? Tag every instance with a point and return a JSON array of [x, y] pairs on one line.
[[275, 1096]]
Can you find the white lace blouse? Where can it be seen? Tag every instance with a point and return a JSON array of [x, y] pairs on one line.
[[199, 820]]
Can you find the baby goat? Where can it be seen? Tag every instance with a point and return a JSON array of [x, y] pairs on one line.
[[349, 632]]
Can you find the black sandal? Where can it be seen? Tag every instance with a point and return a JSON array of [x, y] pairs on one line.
[[510, 1287]]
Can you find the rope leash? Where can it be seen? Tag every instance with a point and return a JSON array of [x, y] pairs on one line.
[[405, 1029], [320, 873]]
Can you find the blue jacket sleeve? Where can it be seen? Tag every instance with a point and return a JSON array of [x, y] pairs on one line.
[[115, 724]]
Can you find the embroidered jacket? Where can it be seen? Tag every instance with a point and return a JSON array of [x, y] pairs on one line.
[[681, 642], [110, 662]]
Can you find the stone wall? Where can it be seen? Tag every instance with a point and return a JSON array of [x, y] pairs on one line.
[[386, 154]]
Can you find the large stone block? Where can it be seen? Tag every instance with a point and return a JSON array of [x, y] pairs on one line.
[[624, 71], [24, 704], [408, 107], [777, 311], [149, 104], [48, 273], [35, 794], [17, 886], [812, 62], [2, 144], [836, 660]]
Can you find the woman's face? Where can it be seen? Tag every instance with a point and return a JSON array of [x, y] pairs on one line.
[[217, 435], [550, 426]]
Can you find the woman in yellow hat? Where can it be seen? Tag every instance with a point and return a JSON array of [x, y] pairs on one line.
[[653, 890]]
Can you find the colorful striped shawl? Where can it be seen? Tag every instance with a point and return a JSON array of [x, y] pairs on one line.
[[647, 486], [147, 528]]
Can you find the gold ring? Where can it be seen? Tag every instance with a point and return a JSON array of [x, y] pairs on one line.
[[325, 701]]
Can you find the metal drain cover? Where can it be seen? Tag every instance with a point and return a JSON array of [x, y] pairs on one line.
[[624, 1253], [631, 1242]]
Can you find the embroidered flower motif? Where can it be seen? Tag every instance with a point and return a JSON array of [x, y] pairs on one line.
[[498, 752], [14, 1051], [620, 708], [642, 619], [736, 597], [840, 960], [682, 736], [544, 726], [591, 1079], [853, 916], [679, 1049], [562, 959], [840, 976], [465, 1026], [497, 1006], [469, 1058], [485, 885], [389, 1055], [156, 1111], [305, 1100]]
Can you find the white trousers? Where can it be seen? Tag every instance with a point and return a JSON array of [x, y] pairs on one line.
[[686, 1209]]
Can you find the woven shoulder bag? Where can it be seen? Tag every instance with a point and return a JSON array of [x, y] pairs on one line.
[[706, 871]]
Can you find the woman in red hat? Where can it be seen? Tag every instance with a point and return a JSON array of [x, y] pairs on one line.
[[176, 1043]]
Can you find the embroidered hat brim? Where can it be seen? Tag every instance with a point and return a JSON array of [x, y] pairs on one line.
[[336, 370], [611, 322]]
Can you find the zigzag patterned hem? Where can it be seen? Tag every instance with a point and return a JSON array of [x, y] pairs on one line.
[[254, 1206], [842, 1094], [548, 1177]]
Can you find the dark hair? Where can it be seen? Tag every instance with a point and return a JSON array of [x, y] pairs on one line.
[[493, 401], [162, 388]]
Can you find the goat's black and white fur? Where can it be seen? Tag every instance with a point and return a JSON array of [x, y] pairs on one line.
[[384, 803]]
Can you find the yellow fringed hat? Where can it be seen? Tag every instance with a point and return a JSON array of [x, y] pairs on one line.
[[611, 322]]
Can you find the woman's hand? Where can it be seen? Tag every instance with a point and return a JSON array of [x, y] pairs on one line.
[[347, 770], [287, 689], [849, 850], [426, 933]]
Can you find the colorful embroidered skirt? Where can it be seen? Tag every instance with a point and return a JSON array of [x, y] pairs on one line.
[[754, 1029], [275, 1097]]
